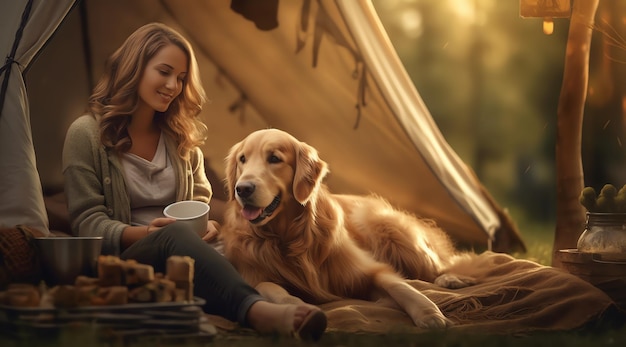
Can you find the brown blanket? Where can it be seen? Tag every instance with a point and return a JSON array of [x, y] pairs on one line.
[[512, 296]]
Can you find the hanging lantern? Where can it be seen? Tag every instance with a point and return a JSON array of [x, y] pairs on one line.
[[546, 9]]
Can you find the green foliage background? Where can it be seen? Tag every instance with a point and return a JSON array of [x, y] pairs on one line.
[[492, 80]]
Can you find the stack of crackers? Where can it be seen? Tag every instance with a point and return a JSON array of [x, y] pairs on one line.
[[119, 282]]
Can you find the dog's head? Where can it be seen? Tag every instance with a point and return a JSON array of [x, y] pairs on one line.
[[270, 169]]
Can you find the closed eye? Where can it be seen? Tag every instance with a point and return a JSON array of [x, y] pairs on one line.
[[165, 72]]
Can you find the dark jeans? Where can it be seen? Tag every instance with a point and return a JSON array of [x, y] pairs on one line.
[[215, 279]]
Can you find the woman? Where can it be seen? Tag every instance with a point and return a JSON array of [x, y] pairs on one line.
[[135, 152]]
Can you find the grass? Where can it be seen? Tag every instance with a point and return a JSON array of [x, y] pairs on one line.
[[87, 337], [539, 239]]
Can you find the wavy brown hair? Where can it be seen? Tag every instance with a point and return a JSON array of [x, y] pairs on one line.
[[115, 97]]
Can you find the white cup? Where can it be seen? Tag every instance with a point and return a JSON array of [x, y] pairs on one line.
[[193, 213]]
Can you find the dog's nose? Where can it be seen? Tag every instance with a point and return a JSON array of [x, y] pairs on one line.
[[245, 189]]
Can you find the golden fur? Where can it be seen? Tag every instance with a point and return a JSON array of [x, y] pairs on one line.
[[318, 246]]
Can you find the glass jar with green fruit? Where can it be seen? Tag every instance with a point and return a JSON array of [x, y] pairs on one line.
[[605, 227]]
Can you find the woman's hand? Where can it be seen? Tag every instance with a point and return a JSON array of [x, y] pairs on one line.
[[213, 230], [158, 223], [136, 232]]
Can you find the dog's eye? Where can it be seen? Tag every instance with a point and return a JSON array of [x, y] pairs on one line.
[[273, 159], [242, 159]]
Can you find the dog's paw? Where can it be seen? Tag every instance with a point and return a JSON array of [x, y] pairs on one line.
[[454, 281], [434, 320]]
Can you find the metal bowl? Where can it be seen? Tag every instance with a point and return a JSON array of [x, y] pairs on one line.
[[65, 258]]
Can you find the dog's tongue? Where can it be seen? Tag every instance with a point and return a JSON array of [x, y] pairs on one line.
[[251, 212]]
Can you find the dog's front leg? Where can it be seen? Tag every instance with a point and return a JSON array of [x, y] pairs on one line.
[[277, 294], [423, 312]]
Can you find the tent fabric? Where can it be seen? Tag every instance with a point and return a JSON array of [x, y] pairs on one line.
[[326, 73], [21, 202]]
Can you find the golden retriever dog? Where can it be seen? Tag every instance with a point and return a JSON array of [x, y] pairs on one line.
[[297, 242]]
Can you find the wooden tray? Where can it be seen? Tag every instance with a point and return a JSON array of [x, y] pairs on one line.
[[605, 271], [132, 318]]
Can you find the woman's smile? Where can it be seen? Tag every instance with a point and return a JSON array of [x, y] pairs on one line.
[[166, 97]]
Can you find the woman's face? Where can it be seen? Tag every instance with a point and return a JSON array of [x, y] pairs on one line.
[[162, 79]]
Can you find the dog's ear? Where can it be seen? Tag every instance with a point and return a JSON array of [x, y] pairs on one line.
[[231, 169], [310, 171]]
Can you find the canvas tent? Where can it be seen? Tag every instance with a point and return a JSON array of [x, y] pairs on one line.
[[323, 70]]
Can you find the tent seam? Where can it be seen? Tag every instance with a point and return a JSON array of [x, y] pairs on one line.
[[10, 60]]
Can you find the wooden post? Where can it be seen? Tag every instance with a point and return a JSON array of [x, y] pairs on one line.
[[570, 214]]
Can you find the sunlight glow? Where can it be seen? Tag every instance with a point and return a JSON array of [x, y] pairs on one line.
[[463, 9], [471, 12], [412, 23]]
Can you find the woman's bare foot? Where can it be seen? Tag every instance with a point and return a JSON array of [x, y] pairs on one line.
[[306, 322]]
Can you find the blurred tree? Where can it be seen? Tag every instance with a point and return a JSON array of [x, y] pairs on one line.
[[491, 81]]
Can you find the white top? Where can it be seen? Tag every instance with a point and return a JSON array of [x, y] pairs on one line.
[[150, 184]]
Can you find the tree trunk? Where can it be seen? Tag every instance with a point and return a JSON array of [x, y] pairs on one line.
[[570, 214]]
